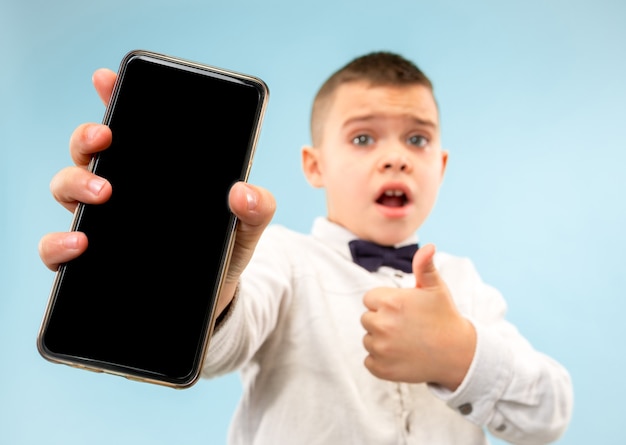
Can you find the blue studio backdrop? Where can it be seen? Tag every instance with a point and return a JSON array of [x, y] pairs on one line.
[[533, 106]]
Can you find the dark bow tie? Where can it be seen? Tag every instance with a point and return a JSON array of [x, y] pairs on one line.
[[371, 255]]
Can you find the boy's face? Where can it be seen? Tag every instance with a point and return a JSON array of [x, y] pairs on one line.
[[379, 159]]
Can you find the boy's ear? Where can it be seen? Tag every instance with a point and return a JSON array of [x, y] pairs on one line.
[[311, 166], [444, 159]]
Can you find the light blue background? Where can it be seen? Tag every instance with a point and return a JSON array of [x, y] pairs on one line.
[[533, 98]]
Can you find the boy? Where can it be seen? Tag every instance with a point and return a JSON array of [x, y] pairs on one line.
[[340, 351]]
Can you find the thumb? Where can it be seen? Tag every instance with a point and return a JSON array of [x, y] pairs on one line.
[[254, 207], [103, 80], [426, 274]]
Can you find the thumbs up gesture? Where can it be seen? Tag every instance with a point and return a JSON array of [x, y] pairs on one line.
[[418, 335]]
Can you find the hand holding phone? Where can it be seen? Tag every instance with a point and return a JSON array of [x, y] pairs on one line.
[[140, 302]]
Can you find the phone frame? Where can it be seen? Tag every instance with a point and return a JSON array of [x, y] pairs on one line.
[[121, 370]]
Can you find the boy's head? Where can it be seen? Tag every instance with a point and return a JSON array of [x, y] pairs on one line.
[[376, 147], [378, 69]]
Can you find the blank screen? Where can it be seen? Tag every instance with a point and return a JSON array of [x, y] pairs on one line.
[[140, 297]]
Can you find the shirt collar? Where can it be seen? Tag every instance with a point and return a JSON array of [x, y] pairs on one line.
[[337, 237]]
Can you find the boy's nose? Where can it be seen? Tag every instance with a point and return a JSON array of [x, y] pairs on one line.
[[395, 161]]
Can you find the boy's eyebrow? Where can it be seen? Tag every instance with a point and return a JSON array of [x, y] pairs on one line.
[[371, 117]]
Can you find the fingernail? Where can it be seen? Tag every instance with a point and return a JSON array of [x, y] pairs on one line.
[[95, 185], [71, 241], [252, 197], [92, 132]]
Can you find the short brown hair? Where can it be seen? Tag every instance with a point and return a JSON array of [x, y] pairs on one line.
[[380, 68]]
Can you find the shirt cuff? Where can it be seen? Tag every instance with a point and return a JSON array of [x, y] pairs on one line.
[[489, 375], [222, 340]]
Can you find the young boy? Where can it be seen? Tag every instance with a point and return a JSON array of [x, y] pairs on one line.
[[336, 350]]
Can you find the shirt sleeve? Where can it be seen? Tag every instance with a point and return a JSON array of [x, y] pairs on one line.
[[263, 292], [520, 394]]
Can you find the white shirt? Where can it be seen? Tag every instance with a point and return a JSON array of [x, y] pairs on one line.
[[295, 335]]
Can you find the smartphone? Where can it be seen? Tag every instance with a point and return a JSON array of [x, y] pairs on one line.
[[140, 301]]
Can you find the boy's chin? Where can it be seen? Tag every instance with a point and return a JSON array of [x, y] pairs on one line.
[[390, 235], [380, 228]]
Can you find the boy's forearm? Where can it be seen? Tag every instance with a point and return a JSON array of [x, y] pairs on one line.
[[507, 385], [227, 293]]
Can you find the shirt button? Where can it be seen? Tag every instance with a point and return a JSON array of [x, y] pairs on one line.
[[465, 409]]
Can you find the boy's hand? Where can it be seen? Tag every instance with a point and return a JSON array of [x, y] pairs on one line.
[[253, 206], [418, 335]]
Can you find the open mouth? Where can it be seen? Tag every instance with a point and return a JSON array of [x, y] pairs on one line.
[[392, 198]]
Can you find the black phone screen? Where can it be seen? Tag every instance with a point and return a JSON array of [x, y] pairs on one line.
[[140, 300]]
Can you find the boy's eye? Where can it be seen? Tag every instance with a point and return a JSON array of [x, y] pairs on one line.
[[418, 141], [363, 139]]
